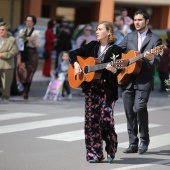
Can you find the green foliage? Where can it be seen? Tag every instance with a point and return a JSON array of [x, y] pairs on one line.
[[167, 82]]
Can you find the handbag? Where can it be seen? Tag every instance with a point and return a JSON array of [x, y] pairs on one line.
[[46, 54]]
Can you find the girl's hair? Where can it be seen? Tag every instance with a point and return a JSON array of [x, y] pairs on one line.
[[64, 52], [33, 18], [109, 26]]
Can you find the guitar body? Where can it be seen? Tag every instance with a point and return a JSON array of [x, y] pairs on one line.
[[77, 80], [132, 69]]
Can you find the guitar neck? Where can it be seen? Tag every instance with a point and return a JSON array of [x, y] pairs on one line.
[[97, 67], [132, 60]]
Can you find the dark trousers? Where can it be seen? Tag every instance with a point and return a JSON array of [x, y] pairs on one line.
[[66, 87], [26, 88], [135, 104]]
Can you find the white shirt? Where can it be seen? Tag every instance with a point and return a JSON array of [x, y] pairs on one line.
[[141, 38], [2, 41]]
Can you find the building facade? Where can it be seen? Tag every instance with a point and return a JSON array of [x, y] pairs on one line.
[[83, 11]]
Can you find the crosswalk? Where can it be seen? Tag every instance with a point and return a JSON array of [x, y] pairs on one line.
[[73, 135], [70, 136], [79, 134]]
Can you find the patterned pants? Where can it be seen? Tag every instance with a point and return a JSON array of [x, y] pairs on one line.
[[99, 124]]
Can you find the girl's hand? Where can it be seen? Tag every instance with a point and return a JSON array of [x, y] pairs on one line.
[[111, 68], [77, 69]]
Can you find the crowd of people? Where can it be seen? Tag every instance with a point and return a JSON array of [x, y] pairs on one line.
[[106, 45]]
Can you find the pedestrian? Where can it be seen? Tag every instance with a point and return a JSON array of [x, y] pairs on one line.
[[86, 37], [164, 65], [8, 50], [50, 39], [121, 28], [127, 20], [63, 69], [136, 91], [27, 60], [63, 33], [168, 37], [100, 95]]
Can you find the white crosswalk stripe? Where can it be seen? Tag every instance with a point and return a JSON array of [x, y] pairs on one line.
[[143, 165], [155, 141], [39, 124], [19, 115], [79, 134]]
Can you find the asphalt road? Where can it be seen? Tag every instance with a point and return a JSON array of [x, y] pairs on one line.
[[48, 135]]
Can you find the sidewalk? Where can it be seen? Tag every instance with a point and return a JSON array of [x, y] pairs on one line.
[[38, 77]]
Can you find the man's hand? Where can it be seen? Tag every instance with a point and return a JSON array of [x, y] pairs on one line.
[[149, 55]]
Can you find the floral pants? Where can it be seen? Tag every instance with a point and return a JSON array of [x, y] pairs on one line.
[[99, 124]]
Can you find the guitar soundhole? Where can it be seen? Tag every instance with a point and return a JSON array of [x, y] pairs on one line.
[[86, 69]]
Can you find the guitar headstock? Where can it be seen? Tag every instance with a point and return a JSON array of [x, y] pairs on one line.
[[120, 64], [158, 50]]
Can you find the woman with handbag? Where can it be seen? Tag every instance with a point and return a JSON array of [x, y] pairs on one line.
[[27, 60], [50, 38]]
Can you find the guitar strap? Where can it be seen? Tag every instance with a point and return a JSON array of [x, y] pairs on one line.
[[101, 56]]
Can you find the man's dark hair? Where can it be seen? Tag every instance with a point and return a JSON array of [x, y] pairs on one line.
[[142, 12], [120, 17], [123, 9]]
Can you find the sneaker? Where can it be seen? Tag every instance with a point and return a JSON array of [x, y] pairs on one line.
[[20, 87], [69, 96]]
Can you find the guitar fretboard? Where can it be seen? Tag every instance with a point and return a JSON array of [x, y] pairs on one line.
[[97, 67], [132, 60]]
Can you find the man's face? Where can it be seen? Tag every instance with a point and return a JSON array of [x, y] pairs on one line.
[[140, 23]]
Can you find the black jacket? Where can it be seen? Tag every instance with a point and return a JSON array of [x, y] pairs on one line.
[[109, 79]]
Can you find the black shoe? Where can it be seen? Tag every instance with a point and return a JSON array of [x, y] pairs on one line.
[[143, 147], [131, 149], [25, 96]]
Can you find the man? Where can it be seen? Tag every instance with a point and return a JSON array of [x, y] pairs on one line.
[[128, 21], [63, 33], [121, 28], [136, 91]]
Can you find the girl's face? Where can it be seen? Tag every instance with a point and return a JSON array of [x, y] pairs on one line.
[[102, 33], [29, 22], [65, 57], [3, 31]]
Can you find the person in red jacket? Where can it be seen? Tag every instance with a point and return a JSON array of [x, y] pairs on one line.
[[50, 38]]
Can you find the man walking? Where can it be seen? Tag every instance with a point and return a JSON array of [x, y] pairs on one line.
[[136, 91]]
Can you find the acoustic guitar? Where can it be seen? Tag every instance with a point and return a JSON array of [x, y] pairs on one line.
[[135, 63], [91, 70]]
